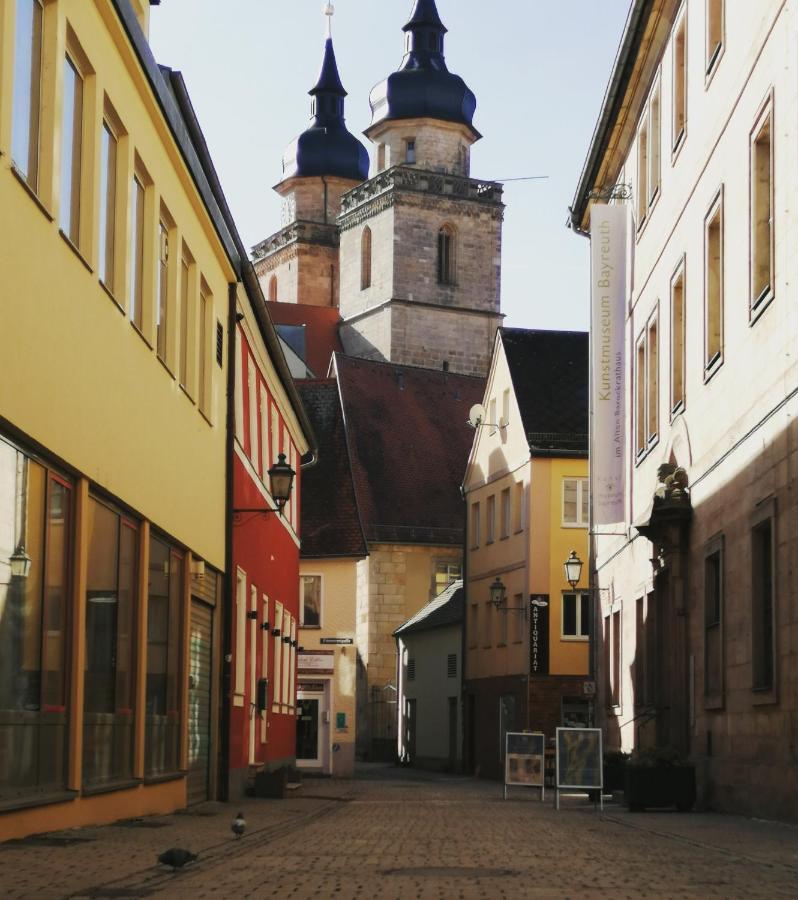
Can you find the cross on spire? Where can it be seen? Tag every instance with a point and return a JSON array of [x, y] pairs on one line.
[[329, 11]]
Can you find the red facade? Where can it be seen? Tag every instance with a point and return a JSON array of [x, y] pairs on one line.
[[265, 598]]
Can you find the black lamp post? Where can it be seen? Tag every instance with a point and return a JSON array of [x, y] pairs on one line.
[[497, 592], [573, 569], [19, 562], [281, 482]]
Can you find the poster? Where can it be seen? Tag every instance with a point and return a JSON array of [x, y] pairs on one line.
[[579, 758], [524, 759], [608, 238]]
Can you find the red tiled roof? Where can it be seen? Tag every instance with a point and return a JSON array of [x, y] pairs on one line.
[[321, 333], [409, 443], [330, 522]]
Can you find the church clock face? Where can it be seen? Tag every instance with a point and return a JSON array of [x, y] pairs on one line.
[[289, 210]]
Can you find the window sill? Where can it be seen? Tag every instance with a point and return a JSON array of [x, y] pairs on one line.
[[110, 293], [140, 333], [575, 638], [31, 193], [764, 697], [187, 395], [163, 779], [762, 304], [504, 537], [204, 414], [310, 627], [677, 410], [110, 788], [714, 65], [574, 525], [76, 251], [678, 144], [713, 368], [714, 702], [166, 366], [38, 800]]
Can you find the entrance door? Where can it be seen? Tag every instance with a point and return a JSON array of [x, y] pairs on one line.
[[312, 727], [199, 701]]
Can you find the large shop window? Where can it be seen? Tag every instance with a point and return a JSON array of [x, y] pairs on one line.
[[164, 629], [109, 680], [35, 523]]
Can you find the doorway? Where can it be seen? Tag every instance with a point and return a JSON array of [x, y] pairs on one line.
[[313, 727], [199, 702]]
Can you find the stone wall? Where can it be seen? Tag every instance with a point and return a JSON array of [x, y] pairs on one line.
[[313, 199], [440, 146], [380, 219], [306, 273]]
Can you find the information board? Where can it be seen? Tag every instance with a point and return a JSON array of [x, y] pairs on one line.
[[524, 760], [579, 759]]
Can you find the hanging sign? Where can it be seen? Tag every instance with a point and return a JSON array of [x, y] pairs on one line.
[[539, 634], [608, 237]]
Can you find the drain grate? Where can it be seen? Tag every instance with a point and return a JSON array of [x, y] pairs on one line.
[[450, 872]]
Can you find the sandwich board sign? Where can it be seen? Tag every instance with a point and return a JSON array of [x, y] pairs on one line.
[[524, 760], [579, 762]]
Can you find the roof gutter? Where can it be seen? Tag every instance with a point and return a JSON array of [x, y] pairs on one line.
[[613, 99]]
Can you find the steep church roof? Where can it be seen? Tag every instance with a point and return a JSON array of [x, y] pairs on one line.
[[423, 87], [327, 147], [549, 370]]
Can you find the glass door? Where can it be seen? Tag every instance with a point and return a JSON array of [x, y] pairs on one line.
[[307, 730]]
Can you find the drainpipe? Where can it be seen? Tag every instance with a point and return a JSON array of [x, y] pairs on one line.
[[463, 640], [229, 593]]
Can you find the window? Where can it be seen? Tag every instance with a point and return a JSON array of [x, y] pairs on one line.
[[640, 394], [240, 638], [264, 433], [655, 142], [491, 512], [505, 532], [286, 640], [642, 173], [35, 525], [677, 340], [653, 378], [575, 502], [292, 667], [410, 151], [640, 653], [71, 151], [446, 255], [519, 507], [277, 632], [109, 672], [451, 665], [616, 658], [380, 157], [763, 611], [273, 289], [204, 367], [713, 285], [411, 668], [646, 387], [505, 408], [762, 212], [186, 303], [252, 410], [310, 601], [475, 523], [264, 671], [108, 162], [576, 616], [446, 573], [365, 259], [713, 620], [162, 303], [715, 28], [239, 387], [137, 205], [679, 82], [502, 614], [164, 647], [27, 90]]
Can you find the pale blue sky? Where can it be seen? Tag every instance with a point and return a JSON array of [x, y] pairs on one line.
[[538, 67]]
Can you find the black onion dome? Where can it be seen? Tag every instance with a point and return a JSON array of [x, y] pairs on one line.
[[423, 87], [327, 147]]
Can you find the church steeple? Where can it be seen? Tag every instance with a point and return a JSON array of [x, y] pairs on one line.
[[327, 148], [424, 41]]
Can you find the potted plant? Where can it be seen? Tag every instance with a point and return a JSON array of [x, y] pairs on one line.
[[615, 770], [658, 777]]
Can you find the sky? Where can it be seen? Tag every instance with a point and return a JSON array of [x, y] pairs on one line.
[[539, 69]]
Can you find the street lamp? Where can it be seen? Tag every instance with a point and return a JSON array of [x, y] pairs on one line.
[[281, 481], [573, 569], [20, 562], [497, 592]]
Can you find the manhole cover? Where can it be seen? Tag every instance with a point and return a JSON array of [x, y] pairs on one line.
[[450, 872]]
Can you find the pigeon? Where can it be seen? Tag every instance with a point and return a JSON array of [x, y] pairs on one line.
[[177, 857], [239, 825]]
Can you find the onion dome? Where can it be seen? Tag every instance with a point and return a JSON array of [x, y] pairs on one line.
[[327, 147], [423, 87]]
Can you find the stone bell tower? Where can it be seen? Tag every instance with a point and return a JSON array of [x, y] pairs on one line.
[[420, 241]]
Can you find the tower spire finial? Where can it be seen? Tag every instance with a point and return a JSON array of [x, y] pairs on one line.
[[329, 11]]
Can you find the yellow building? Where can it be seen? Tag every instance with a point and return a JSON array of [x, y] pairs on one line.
[[527, 633], [120, 271]]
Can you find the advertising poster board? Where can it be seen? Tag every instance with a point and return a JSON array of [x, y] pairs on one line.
[[579, 761], [524, 760]]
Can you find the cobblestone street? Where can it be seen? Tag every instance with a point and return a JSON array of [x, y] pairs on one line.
[[398, 834]]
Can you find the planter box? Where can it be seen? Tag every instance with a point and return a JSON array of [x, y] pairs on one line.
[[652, 787]]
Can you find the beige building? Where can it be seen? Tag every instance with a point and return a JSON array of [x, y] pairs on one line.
[[526, 489], [698, 603]]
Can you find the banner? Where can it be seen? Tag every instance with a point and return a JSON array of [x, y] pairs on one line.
[[539, 634], [608, 226]]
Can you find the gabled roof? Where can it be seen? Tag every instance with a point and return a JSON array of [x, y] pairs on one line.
[[549, 370], [330, 522], [409, 443], [446, 609], [321, 332]]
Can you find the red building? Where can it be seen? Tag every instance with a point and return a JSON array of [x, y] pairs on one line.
[[269, 424]]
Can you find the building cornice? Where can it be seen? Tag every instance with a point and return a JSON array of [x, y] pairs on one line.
[[301, 231]]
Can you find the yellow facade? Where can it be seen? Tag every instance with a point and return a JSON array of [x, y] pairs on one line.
[[132, 413]]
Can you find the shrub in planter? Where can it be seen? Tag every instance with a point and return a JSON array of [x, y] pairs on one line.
[[658, 778], [615, 770]]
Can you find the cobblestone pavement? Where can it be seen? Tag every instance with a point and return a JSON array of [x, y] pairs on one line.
[[398, 834]]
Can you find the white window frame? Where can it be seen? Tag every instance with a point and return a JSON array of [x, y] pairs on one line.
[[505, 512], [578, 637], [285, 631], [320, 576], [239, 685], [264, 669], [583, 484], [278, 656], [490, 537], [476, 530], [252, 393]]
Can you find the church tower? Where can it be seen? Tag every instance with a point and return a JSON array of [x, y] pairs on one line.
[[299, 264], [420, 242]]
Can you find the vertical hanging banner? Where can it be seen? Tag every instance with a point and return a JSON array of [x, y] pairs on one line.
[[608, 238]]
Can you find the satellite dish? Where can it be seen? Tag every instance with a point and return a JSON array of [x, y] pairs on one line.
[[476, 415]]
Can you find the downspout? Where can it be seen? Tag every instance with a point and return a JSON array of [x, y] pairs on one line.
[[463, 639], [227, 618]]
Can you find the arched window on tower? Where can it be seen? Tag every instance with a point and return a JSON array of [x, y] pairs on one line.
[[446, 254], [365, 259], [273, 289]]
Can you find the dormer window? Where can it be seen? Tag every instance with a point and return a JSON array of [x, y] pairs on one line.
[[410, 151]]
